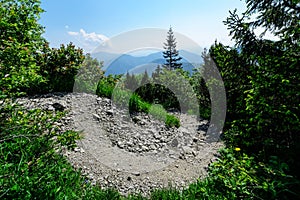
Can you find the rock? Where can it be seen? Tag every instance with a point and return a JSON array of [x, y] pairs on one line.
[[110, 112], [174, 143], [97, 117], [51, 108], [136, 173], [195, 139], [120, 144], [59, 106], [135, 119]]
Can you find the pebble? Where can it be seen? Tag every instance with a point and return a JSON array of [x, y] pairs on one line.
[[142, 135]]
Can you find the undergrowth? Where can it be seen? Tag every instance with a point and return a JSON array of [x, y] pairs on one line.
[[106, 88]]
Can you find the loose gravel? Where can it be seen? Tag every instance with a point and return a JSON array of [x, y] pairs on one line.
[[131, 153]]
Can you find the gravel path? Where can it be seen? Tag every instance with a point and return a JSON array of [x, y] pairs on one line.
[[132, 154]]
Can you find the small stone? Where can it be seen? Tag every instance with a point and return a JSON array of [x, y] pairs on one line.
[[136, 173], [110, 112], [59, 106], [95, 116], [76, 149], [121, 144], [51, 108], [145, 148]]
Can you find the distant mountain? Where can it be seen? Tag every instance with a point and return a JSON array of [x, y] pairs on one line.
[[121, 64]]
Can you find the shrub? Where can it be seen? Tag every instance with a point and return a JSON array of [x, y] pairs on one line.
[[106, 86], [20, 40], [60, 67], [88, 75], [172, 121]]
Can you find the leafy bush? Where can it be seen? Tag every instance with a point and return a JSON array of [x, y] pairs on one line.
[[20, 40], [106, 86], [239, 176], [88, 75], [159, 111], [28, 65], [172, 121], [262, 85], [60, 67], [136, 104], [235, 175]]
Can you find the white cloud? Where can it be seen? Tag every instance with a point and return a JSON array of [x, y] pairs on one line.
[[87, 41], [93, 36], [73, 33]]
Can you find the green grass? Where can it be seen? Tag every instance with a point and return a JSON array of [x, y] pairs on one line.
[[31, 168], [106, 88]]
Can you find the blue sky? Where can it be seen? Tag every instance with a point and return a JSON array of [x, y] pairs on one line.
[[89, 22]]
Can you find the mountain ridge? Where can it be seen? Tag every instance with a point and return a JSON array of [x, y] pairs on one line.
[[123, 63]]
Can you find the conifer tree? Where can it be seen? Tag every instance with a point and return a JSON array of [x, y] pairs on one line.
[[145, 78], [171, 54]]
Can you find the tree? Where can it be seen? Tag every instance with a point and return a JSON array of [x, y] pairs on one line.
[[89, 75], [157, 72], [28, 65], [130, 81], [60, 66], [262, 80], [145, 78], [20, 40], [171, 54]]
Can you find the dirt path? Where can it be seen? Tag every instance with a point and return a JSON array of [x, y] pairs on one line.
[[131, 157]]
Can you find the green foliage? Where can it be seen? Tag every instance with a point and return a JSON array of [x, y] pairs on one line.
[[88, 75], [136, 104], [158, 110], [172, 121], [31, 167], [28, 65], [106, 86], [261, 78], [59, 67], [262, 82], [20, 40], [201, 80], [130, 81], [235, 176], [171, 89], [171, 53]]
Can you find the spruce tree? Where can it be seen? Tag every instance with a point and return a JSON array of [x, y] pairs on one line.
[[171, 54], [145, 78]]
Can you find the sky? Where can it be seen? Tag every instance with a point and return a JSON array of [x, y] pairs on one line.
[[88, 23]]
